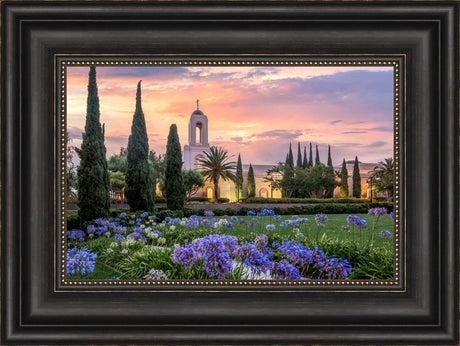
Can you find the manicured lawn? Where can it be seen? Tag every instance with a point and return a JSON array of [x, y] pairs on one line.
[[101, 272], [332, 228]]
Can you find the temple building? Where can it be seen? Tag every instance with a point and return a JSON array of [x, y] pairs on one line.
[[198, 143]]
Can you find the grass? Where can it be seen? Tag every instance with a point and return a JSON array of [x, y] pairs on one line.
[[332, 229], [369, 253], [101, 271]]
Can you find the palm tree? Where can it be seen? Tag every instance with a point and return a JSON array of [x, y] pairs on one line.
[[215, 165], [383, 175]]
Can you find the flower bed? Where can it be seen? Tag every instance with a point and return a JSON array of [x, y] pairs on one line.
[[260, 245]]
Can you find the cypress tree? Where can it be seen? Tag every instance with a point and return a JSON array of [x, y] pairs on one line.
[[299, 156], [329, 159], [317, 160], [290, 156], [251, 182], [310, 160], [174, 184], [344, 180], [239, 179], [93, 176], [330, 168], [140, 191], [305, 160], [356, 180]]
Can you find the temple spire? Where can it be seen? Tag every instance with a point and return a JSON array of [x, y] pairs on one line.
[[197, 104]]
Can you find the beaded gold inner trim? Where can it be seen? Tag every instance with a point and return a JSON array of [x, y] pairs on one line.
[[62, 62]]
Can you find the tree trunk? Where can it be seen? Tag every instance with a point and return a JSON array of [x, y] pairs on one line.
[[216, 186]]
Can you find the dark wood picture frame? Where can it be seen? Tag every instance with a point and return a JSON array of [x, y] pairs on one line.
[[421, 309]]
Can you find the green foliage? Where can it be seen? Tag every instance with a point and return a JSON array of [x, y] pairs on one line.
[[117, 181], [356, 179], [344, 180], [305, 200], [139, 190], [310, 160], [119, 163], [162, 214], [73, 220], [178, 236], [93, 176], [288, 182], [383, 177], [223, 200], [317, 159], [215, 166], [273, 177], [193, 181], [368, 262], [200, 199], [299, 156], [305, 159], [329, 158], [251, 182], [290, 161], [116, 211], [174, 184], [139, 263], [239, 179], [101, 271], [157, 162]]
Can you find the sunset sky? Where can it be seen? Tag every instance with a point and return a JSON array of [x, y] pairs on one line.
[[255, 111]]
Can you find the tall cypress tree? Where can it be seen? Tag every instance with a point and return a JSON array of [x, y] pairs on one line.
[[329, 159], [93, 176], [299, 156], [310, 160], [251, 182], [344, 180], [356, 180], [290, 156], [140, 191], [305, 160], [330, 170], [174, 184], [239, 179], [317, 160]]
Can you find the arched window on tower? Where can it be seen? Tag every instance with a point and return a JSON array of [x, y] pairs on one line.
[[199, 133]]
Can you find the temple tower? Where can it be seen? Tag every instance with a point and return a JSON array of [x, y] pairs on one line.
[[197, 138]]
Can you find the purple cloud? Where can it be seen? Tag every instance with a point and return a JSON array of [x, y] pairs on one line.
[[285, 134]]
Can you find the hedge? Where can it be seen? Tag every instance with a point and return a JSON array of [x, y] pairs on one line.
[[161, 213], [307, 200], [199, 199]]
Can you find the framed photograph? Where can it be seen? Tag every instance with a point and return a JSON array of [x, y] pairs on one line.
[[230, 172]]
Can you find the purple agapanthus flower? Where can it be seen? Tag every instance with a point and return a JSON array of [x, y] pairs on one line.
[[80, 261], [377, 211]]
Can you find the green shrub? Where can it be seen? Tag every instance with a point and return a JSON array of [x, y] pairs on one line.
[[159, 199], [178, 236], [305, 200], [199, 199], [117, 211], [73, 220], [162, 214], [223, 200], [139, 263]]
